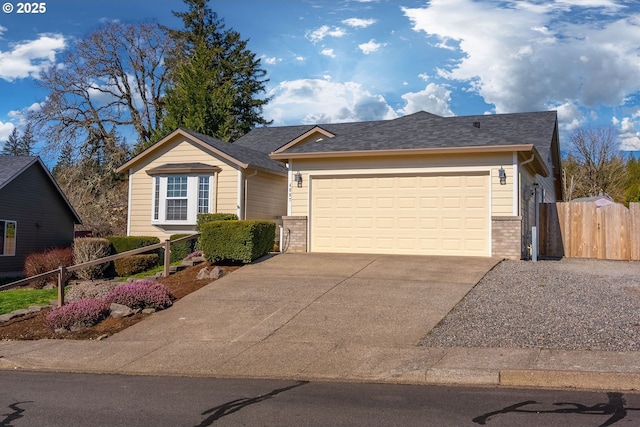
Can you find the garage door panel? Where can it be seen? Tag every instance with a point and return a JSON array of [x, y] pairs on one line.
[[425, 214]]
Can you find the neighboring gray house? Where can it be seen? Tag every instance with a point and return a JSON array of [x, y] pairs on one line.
[[35, 215]]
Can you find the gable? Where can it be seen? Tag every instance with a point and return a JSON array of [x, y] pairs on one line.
[[13, 168], [424, 133], [172, 148]]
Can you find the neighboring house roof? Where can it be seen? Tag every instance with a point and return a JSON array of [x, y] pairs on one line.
[[245, 157], [424, 131], [598, 200], [12, 167]]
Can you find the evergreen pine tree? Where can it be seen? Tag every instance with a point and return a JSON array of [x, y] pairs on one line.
[[12, 144], [216, 80]]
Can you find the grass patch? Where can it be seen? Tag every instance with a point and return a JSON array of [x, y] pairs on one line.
[[147, 273], [23, 298]]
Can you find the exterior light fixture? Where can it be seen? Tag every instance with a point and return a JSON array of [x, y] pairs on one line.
[[502, 175], [298, 179]]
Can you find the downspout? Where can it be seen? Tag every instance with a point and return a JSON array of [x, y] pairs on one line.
[[240, 195], [246, 191], [534, 228], [129, 202]]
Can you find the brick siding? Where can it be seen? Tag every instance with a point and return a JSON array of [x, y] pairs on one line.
[[506, 236], [294, 237]]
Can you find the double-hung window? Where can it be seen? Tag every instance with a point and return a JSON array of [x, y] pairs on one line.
[[177, 199], [7, 238]]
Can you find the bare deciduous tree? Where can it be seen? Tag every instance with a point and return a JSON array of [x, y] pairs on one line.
[[595, 164], [97, 193], [113, 77]]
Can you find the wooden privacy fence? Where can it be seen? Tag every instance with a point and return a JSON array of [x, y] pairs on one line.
[[583, 230]]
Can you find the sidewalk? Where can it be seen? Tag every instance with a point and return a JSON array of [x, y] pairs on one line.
[[325, 317]]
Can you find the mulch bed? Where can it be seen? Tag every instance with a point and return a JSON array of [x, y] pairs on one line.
[[33, 326]]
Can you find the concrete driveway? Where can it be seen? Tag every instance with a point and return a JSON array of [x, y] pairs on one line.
[[293, 316], [323, 314]]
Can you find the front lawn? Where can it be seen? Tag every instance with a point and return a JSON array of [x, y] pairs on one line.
[[23, 298]]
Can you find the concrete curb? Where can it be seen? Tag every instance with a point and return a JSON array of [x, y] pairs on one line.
[[570, 379]]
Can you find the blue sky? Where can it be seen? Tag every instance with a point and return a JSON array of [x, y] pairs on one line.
[[353, 60]]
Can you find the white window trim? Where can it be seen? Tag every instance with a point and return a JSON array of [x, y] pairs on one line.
[[4, 237], [192, 199]]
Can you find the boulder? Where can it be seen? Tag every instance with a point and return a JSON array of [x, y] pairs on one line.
[[119, 310], [215, 273]]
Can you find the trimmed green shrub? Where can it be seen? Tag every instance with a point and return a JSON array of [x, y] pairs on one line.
[[41, 262], [237, 241], [88, 249], [122, 244], [180, 250], [210, 217], [78, 314], [134, 264]]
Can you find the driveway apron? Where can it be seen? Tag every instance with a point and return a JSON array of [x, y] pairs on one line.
[[306, 315]]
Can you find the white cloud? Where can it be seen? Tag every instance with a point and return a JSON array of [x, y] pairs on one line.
[[570, 116], [325, 31], [328, 52], [2, 30], [521, 57], [433, 99], [370, 47], [628, 131], [5, 130], [322, 101], [29, 58], [270, 60], [359, 23]]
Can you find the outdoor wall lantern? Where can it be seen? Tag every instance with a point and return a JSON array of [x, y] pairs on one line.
[[298, 179], [502, 175]]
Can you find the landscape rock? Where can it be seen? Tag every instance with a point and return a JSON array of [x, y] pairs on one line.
[[90, 289], [215, 273], [119, 310], [149, 310]]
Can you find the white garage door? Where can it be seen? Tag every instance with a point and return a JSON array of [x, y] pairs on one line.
[[427, 214]]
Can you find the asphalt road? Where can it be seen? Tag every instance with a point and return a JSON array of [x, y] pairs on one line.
[[62, 399]]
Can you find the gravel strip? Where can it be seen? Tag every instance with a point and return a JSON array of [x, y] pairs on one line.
[[572, 304]]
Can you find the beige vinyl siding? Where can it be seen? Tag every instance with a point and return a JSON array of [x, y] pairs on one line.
[[548, 184], [501, 195], [266, 196], [179, 151]]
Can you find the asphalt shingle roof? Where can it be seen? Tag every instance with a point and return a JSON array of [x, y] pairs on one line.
[[11, 166], [243, 154], [424, 130]]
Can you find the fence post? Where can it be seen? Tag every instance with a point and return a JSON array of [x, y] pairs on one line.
[[167, 257], [62, 280]]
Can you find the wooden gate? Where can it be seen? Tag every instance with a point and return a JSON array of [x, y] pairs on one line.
[[583, 230]]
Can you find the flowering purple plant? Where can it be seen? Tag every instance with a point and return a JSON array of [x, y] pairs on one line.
[[141, 294], [78, 314], [194, 254]]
